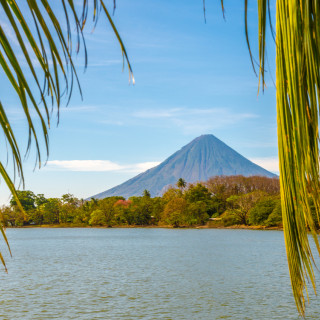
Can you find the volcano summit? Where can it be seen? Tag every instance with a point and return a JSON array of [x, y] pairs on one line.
[[202, 158]]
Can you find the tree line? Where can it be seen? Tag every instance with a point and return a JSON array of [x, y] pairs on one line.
[[226, 200]]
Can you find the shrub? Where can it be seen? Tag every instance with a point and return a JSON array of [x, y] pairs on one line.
[[275, 217], [175, 212], [261, 211], [197, 213], [97, 218], [230, 219]]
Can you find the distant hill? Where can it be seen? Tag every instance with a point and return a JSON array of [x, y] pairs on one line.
[[202, 158]]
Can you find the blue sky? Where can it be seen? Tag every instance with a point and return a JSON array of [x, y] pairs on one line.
[[192, 78]]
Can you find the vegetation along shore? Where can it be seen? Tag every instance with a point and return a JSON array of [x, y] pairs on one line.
[[220, 202]]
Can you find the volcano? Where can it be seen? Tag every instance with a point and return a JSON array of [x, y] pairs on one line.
[[202, 158]]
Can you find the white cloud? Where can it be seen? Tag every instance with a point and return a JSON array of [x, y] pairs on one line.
[[268, 163], [98, 166], [193, 120], [143, 166]]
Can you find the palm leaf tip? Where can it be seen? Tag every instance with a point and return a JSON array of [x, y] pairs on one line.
[[50, 44], [297, 51], [298, 86]]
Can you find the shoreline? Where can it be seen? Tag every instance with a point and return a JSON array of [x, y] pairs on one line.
[[71, 226]]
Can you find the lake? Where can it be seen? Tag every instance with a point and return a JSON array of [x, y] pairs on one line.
[[147, 274]]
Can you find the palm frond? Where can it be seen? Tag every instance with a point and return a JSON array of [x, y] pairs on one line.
[[50, 45], [297, 84]]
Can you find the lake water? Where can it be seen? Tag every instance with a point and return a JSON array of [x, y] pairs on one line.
[[147, 274]]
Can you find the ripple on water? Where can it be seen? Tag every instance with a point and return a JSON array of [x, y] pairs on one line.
[[147, 274]]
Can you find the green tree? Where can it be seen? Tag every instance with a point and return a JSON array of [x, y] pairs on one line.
[[69, 199], [197, 192], [218, 205], [27, 199], [199, 195], [146, 193], [105, 212], [175, 212], [69, 204], [197, 213], [261, 211], [172, 193], [51, 211], [157, 209], [181, 184], [240, 206], [140, 210], [122, 212], [98, 218], [34, 217], [83, 212], [40, 199], [9, 216], [275, 217]]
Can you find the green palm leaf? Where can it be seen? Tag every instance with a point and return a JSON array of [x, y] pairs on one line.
[[297, 84], [51, 47]]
